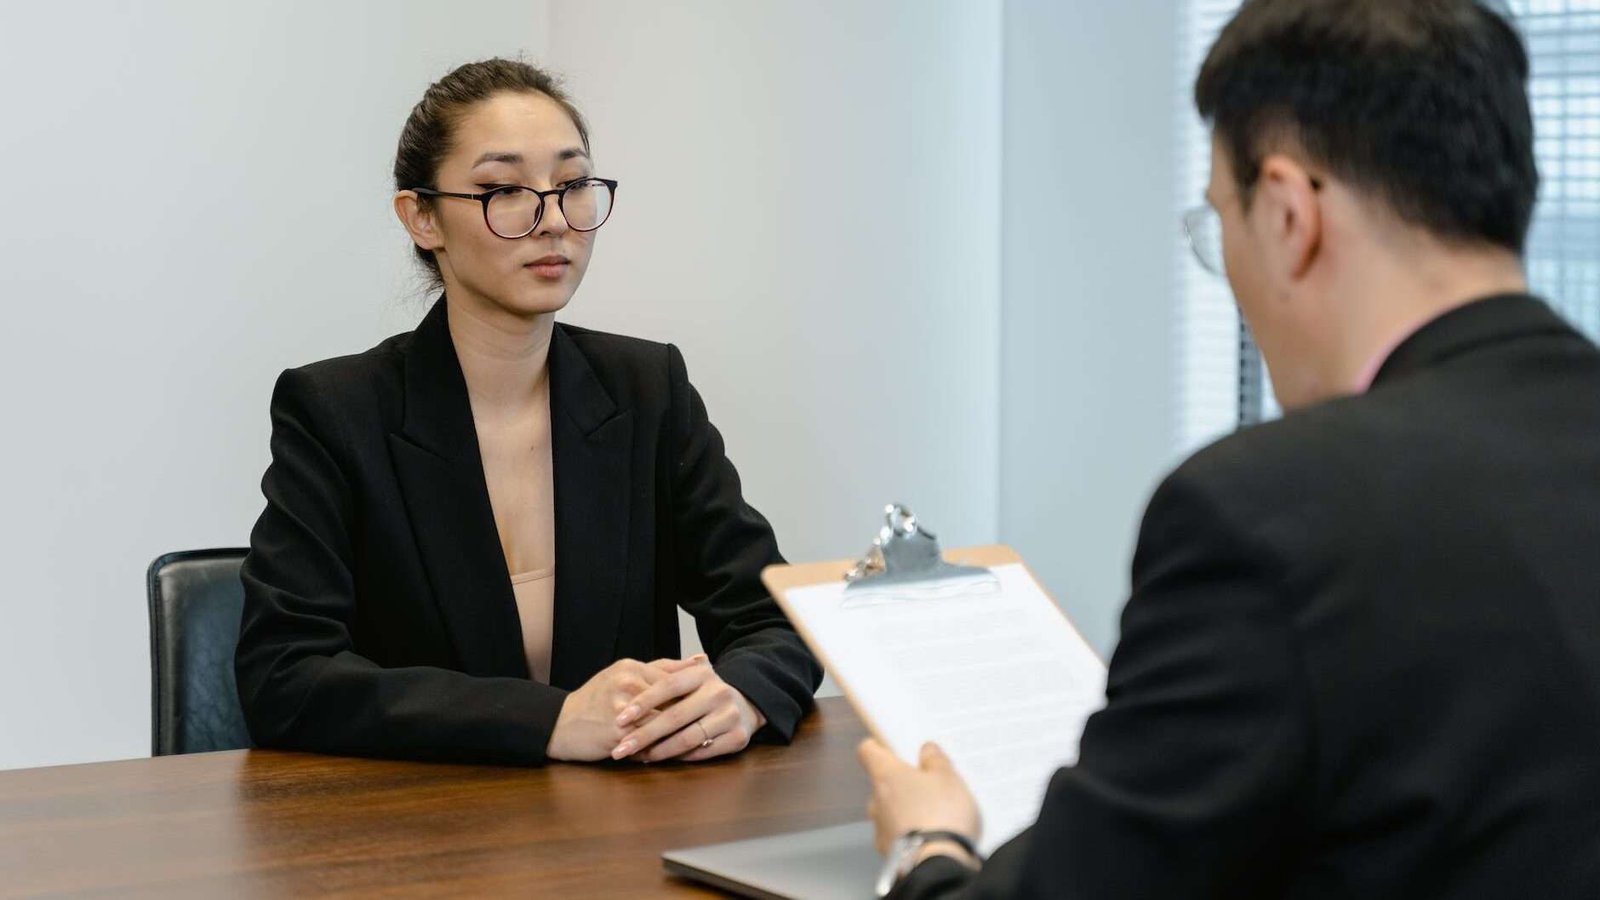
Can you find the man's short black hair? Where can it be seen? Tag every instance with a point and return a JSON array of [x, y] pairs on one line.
[[1424, 103]]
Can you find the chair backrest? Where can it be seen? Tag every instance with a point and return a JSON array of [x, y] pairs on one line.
[[195, 602]]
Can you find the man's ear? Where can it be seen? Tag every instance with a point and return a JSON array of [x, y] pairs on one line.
[[1292, 214], [418, 220]]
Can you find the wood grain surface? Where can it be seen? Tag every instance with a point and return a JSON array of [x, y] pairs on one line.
[[261, 823]]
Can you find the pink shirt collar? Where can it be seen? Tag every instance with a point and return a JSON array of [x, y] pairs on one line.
[[1369, 372]]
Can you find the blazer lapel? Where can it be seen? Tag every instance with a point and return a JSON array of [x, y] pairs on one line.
[[440, 470], [591, 447]]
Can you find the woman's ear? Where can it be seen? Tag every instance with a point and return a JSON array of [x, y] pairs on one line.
[[417, 217]]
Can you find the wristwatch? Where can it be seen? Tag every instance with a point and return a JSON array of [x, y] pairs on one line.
[[902, 855]]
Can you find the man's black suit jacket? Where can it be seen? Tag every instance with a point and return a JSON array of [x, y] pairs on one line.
[[1362, 654], [379, 615]]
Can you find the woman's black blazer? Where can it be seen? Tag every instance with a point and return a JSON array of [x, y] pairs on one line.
[[379, 618]]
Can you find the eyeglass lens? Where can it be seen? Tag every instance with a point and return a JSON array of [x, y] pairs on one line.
[[515, 212]]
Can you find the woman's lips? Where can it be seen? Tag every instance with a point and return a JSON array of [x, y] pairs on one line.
[[549, 267]]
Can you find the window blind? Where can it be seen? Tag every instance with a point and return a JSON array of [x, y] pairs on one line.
[[1563, 254], [1209, 333]]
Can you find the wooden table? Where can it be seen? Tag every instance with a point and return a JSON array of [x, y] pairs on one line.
[[253, 823]]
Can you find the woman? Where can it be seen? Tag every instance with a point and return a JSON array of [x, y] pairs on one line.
[[477, 532]]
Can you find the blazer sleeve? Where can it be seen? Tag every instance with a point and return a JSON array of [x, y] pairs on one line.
[[301, 684], [1191, 781], [721, 546]]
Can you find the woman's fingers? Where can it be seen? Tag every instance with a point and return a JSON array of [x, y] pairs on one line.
[[719, 726], [668, 665], [669, 720], [664, 691], [723, 746]]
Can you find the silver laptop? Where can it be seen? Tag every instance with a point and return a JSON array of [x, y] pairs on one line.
[[837, 863]]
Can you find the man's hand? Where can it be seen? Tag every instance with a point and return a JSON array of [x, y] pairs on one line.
[[587, 729], [928, 797], [697, 716]]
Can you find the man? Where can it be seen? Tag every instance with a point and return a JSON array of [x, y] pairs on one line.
[[1362, 653]]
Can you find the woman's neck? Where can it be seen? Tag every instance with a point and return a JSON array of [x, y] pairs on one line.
[[504, 357]]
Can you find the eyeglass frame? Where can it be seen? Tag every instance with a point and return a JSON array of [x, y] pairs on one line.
[[1193, 220], [560, 194]]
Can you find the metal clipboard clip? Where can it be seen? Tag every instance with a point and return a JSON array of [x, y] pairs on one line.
[[905, 561]]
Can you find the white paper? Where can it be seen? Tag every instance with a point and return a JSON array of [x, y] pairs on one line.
[[992, 672]]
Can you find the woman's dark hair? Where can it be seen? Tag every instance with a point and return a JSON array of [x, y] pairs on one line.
[[1422, 102], [430, 129]]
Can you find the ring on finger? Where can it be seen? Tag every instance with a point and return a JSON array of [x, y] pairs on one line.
[[709, 739]]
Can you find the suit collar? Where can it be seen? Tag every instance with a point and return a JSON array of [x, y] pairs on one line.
[[1481, 323], [438, 415], [591, 445], [440, 468], [575, 389]]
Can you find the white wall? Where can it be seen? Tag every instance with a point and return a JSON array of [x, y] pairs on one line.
[[844, 329], [1088, 339], [810, 208]]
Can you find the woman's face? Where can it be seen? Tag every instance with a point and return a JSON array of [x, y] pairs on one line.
[[509, 139]]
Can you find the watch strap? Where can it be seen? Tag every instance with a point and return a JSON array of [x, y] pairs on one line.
[[954, 837]]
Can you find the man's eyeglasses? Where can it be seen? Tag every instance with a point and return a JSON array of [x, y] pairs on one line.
[[514, 211], [1204, 228]]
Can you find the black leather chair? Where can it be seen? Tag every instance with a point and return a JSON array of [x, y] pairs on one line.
[[195, 602]]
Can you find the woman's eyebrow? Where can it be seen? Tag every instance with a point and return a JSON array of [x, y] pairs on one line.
[[516, 159], [499, 156]]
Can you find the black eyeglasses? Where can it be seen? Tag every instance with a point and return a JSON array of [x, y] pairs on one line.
[[514, 211]]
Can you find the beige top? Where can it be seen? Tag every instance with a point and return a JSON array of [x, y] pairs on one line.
[[536, 604], [509, 388], [518, 471]]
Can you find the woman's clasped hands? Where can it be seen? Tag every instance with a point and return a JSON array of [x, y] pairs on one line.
[[669, 709]]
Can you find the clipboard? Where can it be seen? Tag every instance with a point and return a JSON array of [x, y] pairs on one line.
[[905, 573], [904, 565]]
